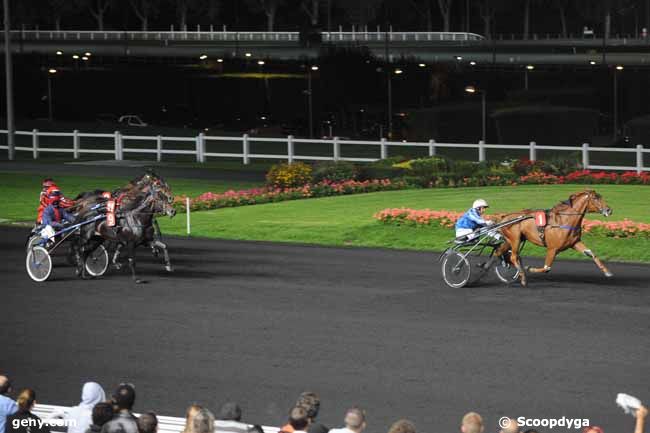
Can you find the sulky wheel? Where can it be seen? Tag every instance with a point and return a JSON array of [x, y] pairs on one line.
[[38, 263], [456, 270], [97, 262]]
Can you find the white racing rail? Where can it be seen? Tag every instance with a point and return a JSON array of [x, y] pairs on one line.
[[228, 36], [166, 424], [196, 146]]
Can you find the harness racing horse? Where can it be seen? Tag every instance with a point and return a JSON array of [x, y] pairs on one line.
[[153, 239], [562, 230], [133, 220]]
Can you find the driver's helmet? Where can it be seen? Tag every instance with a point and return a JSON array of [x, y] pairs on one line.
[[48, 182], [480, 203]]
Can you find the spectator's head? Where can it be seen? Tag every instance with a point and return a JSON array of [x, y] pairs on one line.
[[298, 418], [355, 419], [26, 400], [5, 385], [402, 426], [472, 423], [124, 397], [230, 411], [92, 393], [509, 426], [191, 412], [102, 413], [147, 423], [311, 402], [592, 429], [203, 422]]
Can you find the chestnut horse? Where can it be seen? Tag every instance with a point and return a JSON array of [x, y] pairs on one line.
[[562, 231]]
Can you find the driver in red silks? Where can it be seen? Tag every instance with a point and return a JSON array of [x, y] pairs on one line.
[[48, 187]]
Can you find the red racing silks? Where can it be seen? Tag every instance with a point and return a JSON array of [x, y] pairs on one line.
[[540, 219], [106, 194]]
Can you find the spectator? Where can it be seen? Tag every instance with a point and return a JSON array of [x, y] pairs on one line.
[[189, 417], [123, 420], [311, 402], [402, 426], [641, 414], [148, 423], [472, 423], [79, 418], [355, 421], [102, 413], [510, 427], [229, 420], [203, 422], [7, 405], [17, 423], [299, 420]]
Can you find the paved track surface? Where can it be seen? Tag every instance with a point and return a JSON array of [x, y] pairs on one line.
[[260, 322]]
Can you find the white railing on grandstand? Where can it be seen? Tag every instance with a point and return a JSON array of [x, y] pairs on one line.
[[166, 424], [361, 35], [198, 148]]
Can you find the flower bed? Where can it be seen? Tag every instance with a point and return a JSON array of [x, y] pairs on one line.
[[211, 200], [447, 219]]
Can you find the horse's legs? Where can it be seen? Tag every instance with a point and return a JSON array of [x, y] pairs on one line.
[[162, 246], [116, 256], [582, 248], [551, 253], [131, 253], [515, 241]]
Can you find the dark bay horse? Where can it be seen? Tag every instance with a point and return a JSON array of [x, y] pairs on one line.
[[133, 224], [563, 230], [152, 238]]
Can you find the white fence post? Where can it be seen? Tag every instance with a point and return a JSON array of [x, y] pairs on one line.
[[481, 151], [159, 148], [200, 147], [75, 144], [384, 148], [187, 209], [35, 143], [432, 147], [245, 149], [533, 151], [639, 158], [290, 151], [585, 156], [118, 146], [337, 149]]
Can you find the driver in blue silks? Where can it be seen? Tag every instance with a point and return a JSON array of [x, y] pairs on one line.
[[472, 219], [54, 215]]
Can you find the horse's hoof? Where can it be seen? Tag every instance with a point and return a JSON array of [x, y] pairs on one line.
[[609, 274], [524, 284], [169, 268]]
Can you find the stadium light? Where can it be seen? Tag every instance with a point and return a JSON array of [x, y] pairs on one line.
[[260, 62], [530, 67], [473, 63], [87, 54], [422, 65], [314, 68], [248, 54], [76, 57], [203, 57], [398, 71], [619, 68], [52, 71], [219, 60], [472, 90], [59, 53], [84, 58]]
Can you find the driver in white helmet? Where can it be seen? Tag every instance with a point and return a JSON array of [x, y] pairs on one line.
[[472, 219]]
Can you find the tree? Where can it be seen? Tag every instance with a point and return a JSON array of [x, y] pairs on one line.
[[445, 11], [144, 10], [311, 8], [423, 9], [97, 9], [487, 11], [196, 8], [269, 7], [58, 9], [562, 5]]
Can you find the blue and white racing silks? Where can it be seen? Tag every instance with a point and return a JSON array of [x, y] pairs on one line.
[[470, 220]]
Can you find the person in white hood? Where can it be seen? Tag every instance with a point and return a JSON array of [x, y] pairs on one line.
[[79, 418]]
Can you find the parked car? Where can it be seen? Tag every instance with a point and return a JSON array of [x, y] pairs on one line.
[[132, 120]]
